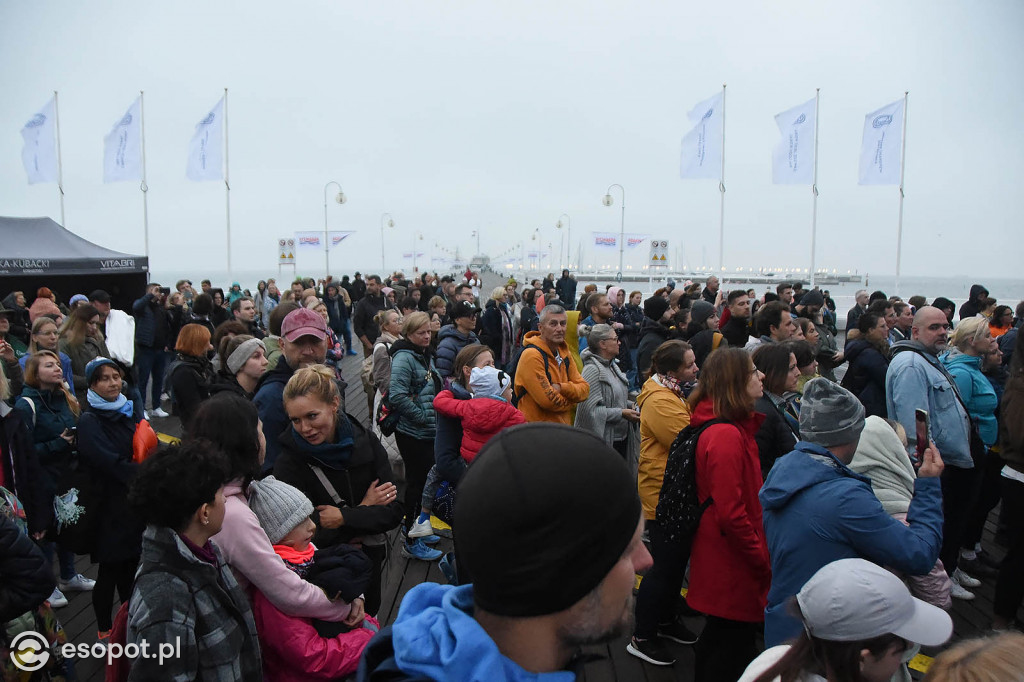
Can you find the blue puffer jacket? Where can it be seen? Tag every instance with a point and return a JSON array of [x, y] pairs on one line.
[[414, 383], [450, 342], [977, 392], [817, 510]]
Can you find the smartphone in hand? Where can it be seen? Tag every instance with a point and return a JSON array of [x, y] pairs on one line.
[[923, 432]]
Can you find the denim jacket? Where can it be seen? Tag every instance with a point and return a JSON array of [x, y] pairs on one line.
[[916, 380]]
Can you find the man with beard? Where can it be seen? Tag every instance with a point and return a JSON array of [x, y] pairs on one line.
[[505, 623], [737, 328], [547, 383], [827, 349]]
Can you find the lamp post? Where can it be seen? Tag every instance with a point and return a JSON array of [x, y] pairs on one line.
[[415, 235], [340, 198], [390, 223], [568, 234], [622, 224]]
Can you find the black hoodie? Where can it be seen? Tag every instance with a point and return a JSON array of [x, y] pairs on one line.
[[970, 308]]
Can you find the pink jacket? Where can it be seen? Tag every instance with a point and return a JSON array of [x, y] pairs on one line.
[[293, 651], [481, 419], [253, 560]]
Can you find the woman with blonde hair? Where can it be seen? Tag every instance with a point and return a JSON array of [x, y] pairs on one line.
[[341, 468], [414, 383], [51, 412], [82, 341], [986, 659], [496, 330], [45, 336]]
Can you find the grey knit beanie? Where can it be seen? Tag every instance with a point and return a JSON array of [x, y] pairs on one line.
[[700, 311], [238, 358], [278, 507], [829, 414]]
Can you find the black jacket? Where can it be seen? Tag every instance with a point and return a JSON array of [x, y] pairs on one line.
[[865, 376], [369, 461], [22, 471], [190, 380], [652, 335], [565, 287], [362, 316], [774, 438], [737, 331], [152, 323], [970, 308], [105, 446], [26, 576]]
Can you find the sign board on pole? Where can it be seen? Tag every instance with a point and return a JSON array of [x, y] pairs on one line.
[[287, 251], [659, 254]]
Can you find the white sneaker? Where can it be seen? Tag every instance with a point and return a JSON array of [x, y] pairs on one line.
[[421, 529], [159, 412], [57, 599], [965, 580], [77, 584], [958, 592]]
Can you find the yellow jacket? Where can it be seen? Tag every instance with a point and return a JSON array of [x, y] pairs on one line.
[[538, 401], [663, 415]]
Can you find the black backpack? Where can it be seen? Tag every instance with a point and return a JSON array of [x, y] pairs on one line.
[[679, 509], [514, 367]]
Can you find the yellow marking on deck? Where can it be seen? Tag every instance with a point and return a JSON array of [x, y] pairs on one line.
[[438, 523], [164, 438]]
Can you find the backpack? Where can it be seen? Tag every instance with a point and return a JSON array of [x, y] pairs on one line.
[[514, 367], [366, 369], [679, 509]]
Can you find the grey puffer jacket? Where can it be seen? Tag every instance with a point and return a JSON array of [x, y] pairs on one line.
[[601, 412]]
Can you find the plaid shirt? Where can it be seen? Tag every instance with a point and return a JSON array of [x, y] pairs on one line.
[[179, 598]]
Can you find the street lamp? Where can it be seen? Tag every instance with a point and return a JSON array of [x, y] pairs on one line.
[[622, 224], [415, 235], [568, 234], [390, 223], [340, 198]]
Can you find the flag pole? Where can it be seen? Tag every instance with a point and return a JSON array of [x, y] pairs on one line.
[[903, 162], [721, 190], [814, 188], [227, 183], [144, 187], [60, 166]]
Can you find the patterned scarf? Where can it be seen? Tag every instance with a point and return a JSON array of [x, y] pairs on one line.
[[670, 383]]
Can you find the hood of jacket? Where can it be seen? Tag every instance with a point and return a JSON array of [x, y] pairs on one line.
[[807, 466], [911, 345], [436, 636], [649, 326], [450, 330], [955, 356], [856, 347], [407, 345]]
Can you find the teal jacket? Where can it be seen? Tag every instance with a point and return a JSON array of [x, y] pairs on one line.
[[977, 392], [414, 383]]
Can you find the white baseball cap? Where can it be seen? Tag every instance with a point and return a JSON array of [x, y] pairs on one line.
[[852, 600]]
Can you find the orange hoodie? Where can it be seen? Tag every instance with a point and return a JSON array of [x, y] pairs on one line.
[[539, 402]]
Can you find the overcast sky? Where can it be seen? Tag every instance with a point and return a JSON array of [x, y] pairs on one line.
[[505, 115]]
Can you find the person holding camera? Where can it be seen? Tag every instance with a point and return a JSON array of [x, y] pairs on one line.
[[152, 333]]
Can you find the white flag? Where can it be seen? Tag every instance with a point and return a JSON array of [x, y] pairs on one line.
[[701, 155], [310, 240], [793, 157], [605, 240], [39, 153], [122, 147], [881, 149], [206, 151]]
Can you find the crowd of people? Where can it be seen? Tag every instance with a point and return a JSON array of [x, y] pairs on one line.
[[738, 445]]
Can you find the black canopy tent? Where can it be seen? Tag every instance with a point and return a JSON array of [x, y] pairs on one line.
[[37, 252]]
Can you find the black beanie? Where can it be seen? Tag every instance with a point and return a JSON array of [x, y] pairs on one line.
[[542, 515], [655, 307]]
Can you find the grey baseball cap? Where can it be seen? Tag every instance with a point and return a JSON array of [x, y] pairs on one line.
[[851, 600]]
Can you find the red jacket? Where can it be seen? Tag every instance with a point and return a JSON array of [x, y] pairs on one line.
[[730, 571], [293, 651], [481, 419]]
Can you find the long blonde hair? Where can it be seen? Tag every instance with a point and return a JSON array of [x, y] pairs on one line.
[[986, 659], [32, 377]]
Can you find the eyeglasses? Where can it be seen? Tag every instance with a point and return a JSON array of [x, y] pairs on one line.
[[49, 333]]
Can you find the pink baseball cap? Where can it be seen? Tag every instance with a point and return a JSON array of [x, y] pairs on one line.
[[303, 322]]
